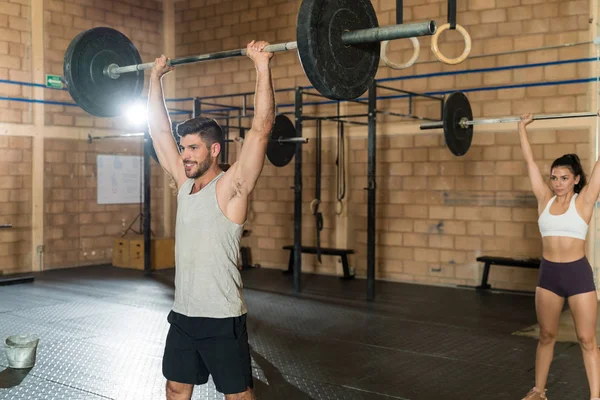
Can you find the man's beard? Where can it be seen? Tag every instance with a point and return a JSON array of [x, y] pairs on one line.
[[202, 168]]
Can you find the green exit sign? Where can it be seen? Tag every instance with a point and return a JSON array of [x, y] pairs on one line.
[[53, 81]]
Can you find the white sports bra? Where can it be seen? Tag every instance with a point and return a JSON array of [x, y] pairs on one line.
[[568, 224]]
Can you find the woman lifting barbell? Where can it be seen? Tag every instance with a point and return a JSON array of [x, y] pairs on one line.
[[565, 209]]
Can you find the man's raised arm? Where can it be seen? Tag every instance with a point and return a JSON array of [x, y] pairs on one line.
[[252, 155], [159, 123]]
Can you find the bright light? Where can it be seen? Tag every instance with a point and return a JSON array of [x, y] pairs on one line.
[[136, 114]]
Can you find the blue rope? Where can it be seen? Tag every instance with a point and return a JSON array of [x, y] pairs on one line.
[[401, 96], [400, 78], [62, 103], [28, 84]]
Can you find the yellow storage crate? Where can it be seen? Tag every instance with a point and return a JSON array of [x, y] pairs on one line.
[[120, 255], [129, 253]]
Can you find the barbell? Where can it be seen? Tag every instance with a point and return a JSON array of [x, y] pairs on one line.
[[338, 44], [280, 140], [280, 149], [457, 122]]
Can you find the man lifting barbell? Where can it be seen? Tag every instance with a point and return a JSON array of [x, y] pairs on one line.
[[208, 334]]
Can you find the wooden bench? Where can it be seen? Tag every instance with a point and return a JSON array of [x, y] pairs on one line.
[[503, 261], [327, 251]]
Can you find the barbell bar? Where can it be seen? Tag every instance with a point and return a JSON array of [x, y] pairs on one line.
[[114, 71], [361, 36], [338, 44], [124, 135], [457, 122], [464, 122], [280, 140]]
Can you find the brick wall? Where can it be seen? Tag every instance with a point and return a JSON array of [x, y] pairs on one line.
[[15, 204], [15, 59], [78, 230], [455, 208], [494, 27], [140, 21], [436, 212], [63, 20]]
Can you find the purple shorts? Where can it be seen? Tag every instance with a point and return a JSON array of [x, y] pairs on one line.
[[566, 279]]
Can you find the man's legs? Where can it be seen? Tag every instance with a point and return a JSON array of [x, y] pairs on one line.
[[247, 395], [179, 391], [182, 364], [227, 357]]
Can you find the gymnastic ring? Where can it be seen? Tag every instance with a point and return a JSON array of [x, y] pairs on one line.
[[313, 205], [407, 64], [440, 56], [339, 207]]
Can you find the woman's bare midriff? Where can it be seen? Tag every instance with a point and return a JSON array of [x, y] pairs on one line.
[[563, 249]]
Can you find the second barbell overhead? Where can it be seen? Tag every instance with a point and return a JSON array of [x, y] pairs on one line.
[[457, 122]]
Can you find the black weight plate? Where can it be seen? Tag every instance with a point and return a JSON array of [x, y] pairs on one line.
[[280, 154], [337, 71], [458, 139], [88, 54]]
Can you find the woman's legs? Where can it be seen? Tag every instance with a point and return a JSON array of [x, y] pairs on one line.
[[584, 309], [548, 306]]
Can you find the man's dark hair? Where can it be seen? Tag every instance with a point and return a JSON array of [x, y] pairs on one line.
[[207, 128]]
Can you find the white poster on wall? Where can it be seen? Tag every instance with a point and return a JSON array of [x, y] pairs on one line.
[[120, 179]]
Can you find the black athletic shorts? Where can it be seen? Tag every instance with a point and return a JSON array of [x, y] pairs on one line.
[[197, 347]]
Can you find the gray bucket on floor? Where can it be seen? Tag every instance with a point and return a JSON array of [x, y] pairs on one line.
[[21, 350]]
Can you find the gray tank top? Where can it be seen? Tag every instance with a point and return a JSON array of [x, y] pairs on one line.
[[207, 280]]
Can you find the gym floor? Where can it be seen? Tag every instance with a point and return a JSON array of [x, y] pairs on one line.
[[102, 331]]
